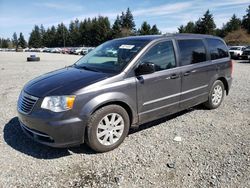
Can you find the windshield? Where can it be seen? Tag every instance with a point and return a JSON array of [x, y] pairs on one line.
[[111, 56], [235, 48]]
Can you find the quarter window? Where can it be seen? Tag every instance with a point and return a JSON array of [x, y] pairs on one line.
[[192, 51], [217, 49], [162, 55]]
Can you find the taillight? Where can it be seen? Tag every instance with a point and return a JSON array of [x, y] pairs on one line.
[[231, 67]]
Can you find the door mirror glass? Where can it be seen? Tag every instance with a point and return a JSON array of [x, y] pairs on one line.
[[145, 68]]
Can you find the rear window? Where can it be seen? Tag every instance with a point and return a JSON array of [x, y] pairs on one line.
[[217, 49], [192, 51]]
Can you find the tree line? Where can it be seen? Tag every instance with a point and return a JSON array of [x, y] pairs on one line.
[[15, 42], [206, 25], [94, 31], [87, 32]]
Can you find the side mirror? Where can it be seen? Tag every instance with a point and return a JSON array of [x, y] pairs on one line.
[[145, 68]]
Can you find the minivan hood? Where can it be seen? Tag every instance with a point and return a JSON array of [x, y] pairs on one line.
[[63, 82]]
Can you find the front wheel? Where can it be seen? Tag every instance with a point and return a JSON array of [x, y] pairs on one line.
[[216, 95], [107, 128]]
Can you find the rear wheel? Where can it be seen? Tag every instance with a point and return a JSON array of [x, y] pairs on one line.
[[216, 95], [107, 128]]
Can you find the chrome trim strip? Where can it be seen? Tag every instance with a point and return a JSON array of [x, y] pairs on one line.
[[161, 99], [158, 108], [174, 95], [29, 96], [171, 104]]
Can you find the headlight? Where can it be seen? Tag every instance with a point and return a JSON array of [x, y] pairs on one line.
[[58, 103]]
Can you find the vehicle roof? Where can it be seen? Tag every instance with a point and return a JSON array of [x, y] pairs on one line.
[[170, 36]]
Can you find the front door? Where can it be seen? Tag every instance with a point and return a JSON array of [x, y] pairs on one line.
[[158, 94]]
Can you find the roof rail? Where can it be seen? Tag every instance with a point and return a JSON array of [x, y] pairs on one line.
[[168, 34]]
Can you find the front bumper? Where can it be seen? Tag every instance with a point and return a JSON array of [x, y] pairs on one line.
[[53, 132]]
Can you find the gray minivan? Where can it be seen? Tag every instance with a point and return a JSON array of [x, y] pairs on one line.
[[121, 84]]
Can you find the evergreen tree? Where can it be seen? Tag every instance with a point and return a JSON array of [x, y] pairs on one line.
[[189, 28], [15, 41], [103, 29], [154, 30], [5, 43], [117, 28], [145, 29], [42, 33], [127, 23], [128, 20], [206, 24], [74, 33], [246, 20], [46, 41], [83, 31], [198, 26], [87, 34], [35, 38], [49, 37], [61, 36], [221, 32], [21, 41], [181, 29], [52, 37], [233, 24]]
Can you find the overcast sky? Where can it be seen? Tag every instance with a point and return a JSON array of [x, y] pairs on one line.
[[22, 15]]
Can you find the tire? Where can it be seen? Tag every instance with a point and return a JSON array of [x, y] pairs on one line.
[[216, 95], [33, 58], [103, 138]]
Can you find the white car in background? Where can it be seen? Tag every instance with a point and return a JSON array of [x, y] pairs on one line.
[[81, 50], [236, 51]]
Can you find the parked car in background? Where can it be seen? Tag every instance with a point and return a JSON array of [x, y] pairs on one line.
[[100, 97], [87, 50], [80, 50], [56, 50], [65, 50], [246, 54], [72, 50], [236, 51]]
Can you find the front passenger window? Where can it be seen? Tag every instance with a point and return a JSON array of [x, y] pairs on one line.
[[162, 55]]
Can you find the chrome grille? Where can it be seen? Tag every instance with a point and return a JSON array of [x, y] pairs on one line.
[[26, 102]]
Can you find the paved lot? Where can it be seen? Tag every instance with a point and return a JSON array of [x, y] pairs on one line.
[[214, 151]]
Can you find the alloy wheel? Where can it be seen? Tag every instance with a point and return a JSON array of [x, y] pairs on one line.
[[110, 129]]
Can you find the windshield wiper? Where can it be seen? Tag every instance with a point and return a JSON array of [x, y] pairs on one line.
[[88, 68]]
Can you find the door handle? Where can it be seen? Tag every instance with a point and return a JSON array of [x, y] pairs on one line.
[[174, 76], [189, 72]]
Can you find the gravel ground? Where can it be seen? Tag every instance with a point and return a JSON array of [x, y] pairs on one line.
[[214, 150]]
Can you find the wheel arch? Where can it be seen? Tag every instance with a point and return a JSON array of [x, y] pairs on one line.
[[111, 98], [119, 103], [224, 81]]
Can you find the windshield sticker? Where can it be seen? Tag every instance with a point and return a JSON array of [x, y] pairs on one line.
[[128, 47]]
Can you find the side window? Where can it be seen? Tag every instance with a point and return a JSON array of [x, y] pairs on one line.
[[217, 49], [192, 51], [162, 55]]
